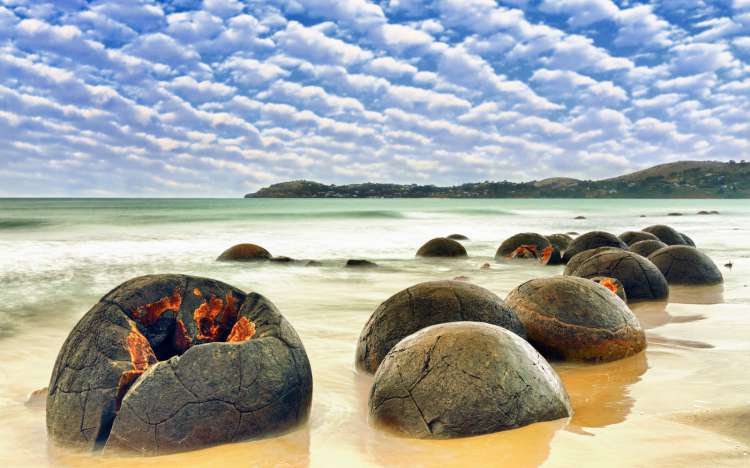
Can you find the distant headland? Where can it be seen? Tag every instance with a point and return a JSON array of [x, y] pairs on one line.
[[684, 179]]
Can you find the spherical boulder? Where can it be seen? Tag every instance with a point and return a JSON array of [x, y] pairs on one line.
[[631, 237], [428, 304], [682, 264], [464, 378], [244, 253], [442, 247], [165, 363], [528, 240], [579, 258], [666, 234], [647, 247], [560, 241], [592, 240], [457, 237], [576, 319], [642, 279]]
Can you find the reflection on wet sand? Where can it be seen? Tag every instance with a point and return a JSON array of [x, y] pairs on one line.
[[685, 294], [655, 314], [600, 393]]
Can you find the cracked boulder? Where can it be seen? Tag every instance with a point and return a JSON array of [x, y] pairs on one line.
[[245, 253], [426, 304], [613, 284], [516, 246], [576, 319], [631, 237], [560, 241], [645, 248], [165, 363], [592, 240], [641, 278], [442, 247], [464, 378], [666, 234], [682, 264]]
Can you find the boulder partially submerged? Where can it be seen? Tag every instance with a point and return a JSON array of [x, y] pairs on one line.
[[642, 279], [244, 253], [682, 264], [464, 378], [426, 304], [442, 247], [631, 237], [592, 240], [576, 319], [560, 241], [647, 247], [459, 237], [166, 363], [666, 234], [529, 241]]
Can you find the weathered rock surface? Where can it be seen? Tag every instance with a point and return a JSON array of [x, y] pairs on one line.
[[244, 253], [560, 241], [528, 240], [631, 237], [428, 304], [457, 237], [165, 363], [641, 278], [442, 247], [666, 234], [592, 240], [682, 264], [464, 378], [576, 319], [647, 247], [581, 257]]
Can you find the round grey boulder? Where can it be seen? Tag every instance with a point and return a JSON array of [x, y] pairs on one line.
[[647, 247], [530, 241], [592, 240], [442, 247], [579, 258], [631, 237], [426, 304], [666, 234], [560, 241], [682, 264], [167, 363], [576, 319], [458, 237], [641, 278], [464, 378]]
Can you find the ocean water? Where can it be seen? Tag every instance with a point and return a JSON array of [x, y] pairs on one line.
[[59, 256]]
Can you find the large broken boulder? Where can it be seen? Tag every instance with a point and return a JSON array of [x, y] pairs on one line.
[[523, 242], [464, 378], [171, 362], [428, 304]]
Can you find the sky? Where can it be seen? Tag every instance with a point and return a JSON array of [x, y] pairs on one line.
[[222, 97]]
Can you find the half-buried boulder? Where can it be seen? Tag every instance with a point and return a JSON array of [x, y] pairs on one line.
[[576, 319], [560, 241], [428, 304], [592, 240], [682, 264], [647, 247], [165, 363], [579, 258], [464, 378], [360, 263], [442, 247], [642, 279], [527, 240], [244, 253], [457, 237], [631, 237], [666, 234]]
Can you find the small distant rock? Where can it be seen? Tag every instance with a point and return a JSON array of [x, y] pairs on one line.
[[442, 247], [713, 212], [703, 212], [642, 216], [282, 259], [572, 233], [360, 263], [580, 217], [313, 263], [485, 266], [674, 214], [37, 398], [457, 237]]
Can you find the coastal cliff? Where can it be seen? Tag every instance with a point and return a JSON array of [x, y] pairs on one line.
[[684, 179]]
